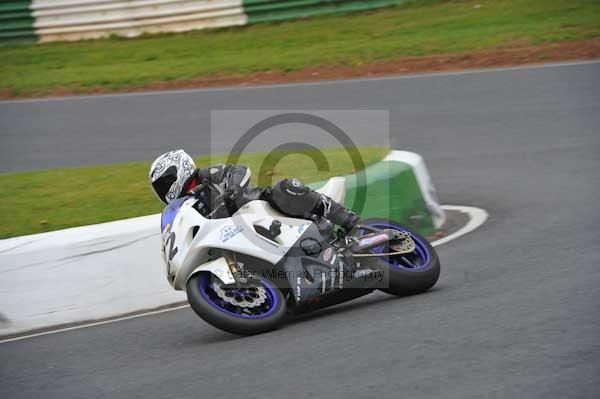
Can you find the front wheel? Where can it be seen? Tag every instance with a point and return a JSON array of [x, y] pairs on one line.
[[411, 273], [254, 307]]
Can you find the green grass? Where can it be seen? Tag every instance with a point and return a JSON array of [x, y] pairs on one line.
[[39, 201], [423, 27]]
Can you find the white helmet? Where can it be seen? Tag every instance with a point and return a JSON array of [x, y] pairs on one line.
[[169, 173]]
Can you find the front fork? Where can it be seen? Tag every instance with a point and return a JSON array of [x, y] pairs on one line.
[[236, 268]]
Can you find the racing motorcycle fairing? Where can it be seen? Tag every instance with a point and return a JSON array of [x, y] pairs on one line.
[[317, 279], [313, 273], [335, 188], [190, 240], [218, 267], [304, 265], [193, 243]]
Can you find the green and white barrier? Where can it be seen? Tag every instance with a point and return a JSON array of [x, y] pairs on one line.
[[277, 10], [85, 273], [400, 188], [52, 20]]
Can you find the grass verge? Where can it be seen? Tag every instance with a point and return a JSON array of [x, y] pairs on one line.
[[39, 201], [423, 27]]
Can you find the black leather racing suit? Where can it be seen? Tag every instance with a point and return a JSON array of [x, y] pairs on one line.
[[289, 196]]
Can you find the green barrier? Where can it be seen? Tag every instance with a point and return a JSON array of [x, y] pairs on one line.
[[16, 22], [392, 191], [275, 10]]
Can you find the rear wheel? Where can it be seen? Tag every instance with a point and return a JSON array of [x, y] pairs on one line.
[[410, 273], [254, 307]]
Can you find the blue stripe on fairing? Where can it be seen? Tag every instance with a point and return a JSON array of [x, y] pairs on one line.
[[170, 212]]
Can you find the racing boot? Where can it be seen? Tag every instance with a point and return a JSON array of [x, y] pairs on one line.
[[340, 215]]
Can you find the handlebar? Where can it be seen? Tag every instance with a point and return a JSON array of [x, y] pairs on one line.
[[198, 189], [222, 201]]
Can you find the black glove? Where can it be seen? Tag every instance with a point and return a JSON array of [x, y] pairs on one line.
[[342, 216], [234, 193], [351, 222]]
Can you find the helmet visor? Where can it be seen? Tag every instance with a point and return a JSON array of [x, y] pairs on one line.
[[163, 184]]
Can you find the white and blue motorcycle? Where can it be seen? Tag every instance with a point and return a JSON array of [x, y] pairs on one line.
[[244, 273]]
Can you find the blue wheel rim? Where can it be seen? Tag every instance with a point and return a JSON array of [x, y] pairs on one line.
[[269, 307], [418, 260]]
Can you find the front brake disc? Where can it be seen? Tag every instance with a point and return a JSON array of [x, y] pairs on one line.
[[249, 296]]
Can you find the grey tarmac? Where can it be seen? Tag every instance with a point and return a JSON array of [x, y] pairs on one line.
[[516, 312]]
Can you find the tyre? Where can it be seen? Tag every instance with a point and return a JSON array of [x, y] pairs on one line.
[[412, 273], [256, 307]]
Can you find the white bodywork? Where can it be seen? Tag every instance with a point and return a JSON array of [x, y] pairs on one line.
[[186, 253], [335, 188]]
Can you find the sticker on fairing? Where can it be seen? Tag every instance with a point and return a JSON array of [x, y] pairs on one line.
[[301, 228], [327, 254], [298, 289], [228, 232]]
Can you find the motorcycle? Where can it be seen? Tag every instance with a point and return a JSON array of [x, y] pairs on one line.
[[245, 272]]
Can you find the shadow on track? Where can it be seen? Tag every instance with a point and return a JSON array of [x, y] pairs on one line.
[[367, 300], [215, 336]]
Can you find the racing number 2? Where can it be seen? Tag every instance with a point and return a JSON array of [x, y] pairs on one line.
[[170, 250], [170, 246]]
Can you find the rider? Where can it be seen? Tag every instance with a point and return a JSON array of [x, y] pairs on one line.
[[174, 174]]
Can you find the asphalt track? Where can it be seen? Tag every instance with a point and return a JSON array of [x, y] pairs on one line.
[[516, 312]]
